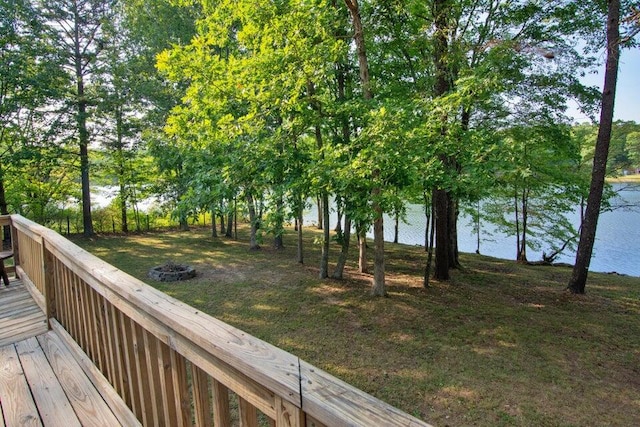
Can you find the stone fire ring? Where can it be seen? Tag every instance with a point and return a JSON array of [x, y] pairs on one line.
[[178, 272]]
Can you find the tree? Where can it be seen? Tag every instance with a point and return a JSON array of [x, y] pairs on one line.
[[538, 184], [76, 26], [367, 93], [578, 281], [33, 164]]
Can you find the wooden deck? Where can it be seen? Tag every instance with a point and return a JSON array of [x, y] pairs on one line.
[[20, 316], [110, 350], [41, 383]]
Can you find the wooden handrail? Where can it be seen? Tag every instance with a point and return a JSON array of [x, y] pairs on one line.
[[165, 358]]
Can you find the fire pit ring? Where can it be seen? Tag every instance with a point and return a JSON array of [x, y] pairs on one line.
[[171, 272]]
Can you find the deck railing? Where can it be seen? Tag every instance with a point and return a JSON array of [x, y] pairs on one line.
[[172, 364]]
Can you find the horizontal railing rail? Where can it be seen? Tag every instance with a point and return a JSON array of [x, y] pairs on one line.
[[172, 364]]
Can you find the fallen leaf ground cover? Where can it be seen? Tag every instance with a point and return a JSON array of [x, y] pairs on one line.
[[499, 344]]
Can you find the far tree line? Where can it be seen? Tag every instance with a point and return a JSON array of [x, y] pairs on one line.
[[362, 106]]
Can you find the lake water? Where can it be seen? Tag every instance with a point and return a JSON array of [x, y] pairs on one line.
[[617, 246]]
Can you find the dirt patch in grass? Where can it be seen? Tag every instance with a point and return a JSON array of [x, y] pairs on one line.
[[499, 344]]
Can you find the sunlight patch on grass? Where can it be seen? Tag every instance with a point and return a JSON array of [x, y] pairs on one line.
[[263, 307], [459, 393]]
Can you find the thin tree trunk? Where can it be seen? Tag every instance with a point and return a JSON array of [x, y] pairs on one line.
[[344, 249], [253, 219], [222, 225], [427, 269], [214, 229], [362, 250], [578, 281], [517, 214], [454, 261], [396, 228], [440, 204], [230, 219], [338, 227], [323, 198], [121, 167], [299, 230], [319, 203], [278, 243], [123, 208], [326, 238], [235, 218], [428, 208], [478, 228], [522, 253], [378, 288]]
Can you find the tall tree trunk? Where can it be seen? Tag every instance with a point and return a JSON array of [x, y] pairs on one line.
[[442, 85], [83, 134], [378, 288], [323, 198], [578, 281], [344, 249]]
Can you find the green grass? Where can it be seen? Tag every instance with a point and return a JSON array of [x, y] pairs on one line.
[[499, 344]]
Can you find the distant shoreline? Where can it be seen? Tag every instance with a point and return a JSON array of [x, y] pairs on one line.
[[628, 179]]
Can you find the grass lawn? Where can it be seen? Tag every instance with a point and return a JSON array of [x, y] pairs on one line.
[[500, 344]]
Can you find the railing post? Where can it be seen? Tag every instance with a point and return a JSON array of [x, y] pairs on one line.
[[49, 281], [15, 245], [288, 415]]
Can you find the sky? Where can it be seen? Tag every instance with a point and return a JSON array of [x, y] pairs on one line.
[[627, 105]]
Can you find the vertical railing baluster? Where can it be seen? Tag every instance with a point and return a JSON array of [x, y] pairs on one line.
[[221, 413], [201, 402], [248, 413]]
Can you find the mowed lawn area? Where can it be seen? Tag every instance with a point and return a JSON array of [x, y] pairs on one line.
[[500, 344]]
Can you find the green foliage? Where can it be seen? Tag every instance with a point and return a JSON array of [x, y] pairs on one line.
[[538, 186], [624, 149]]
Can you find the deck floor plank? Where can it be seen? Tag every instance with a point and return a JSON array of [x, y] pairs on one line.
[[41, 381], [52, 402], [90, 407], [18, 407], [20, 315]]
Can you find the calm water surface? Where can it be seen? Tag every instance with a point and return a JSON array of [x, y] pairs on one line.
[[617, 247]]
